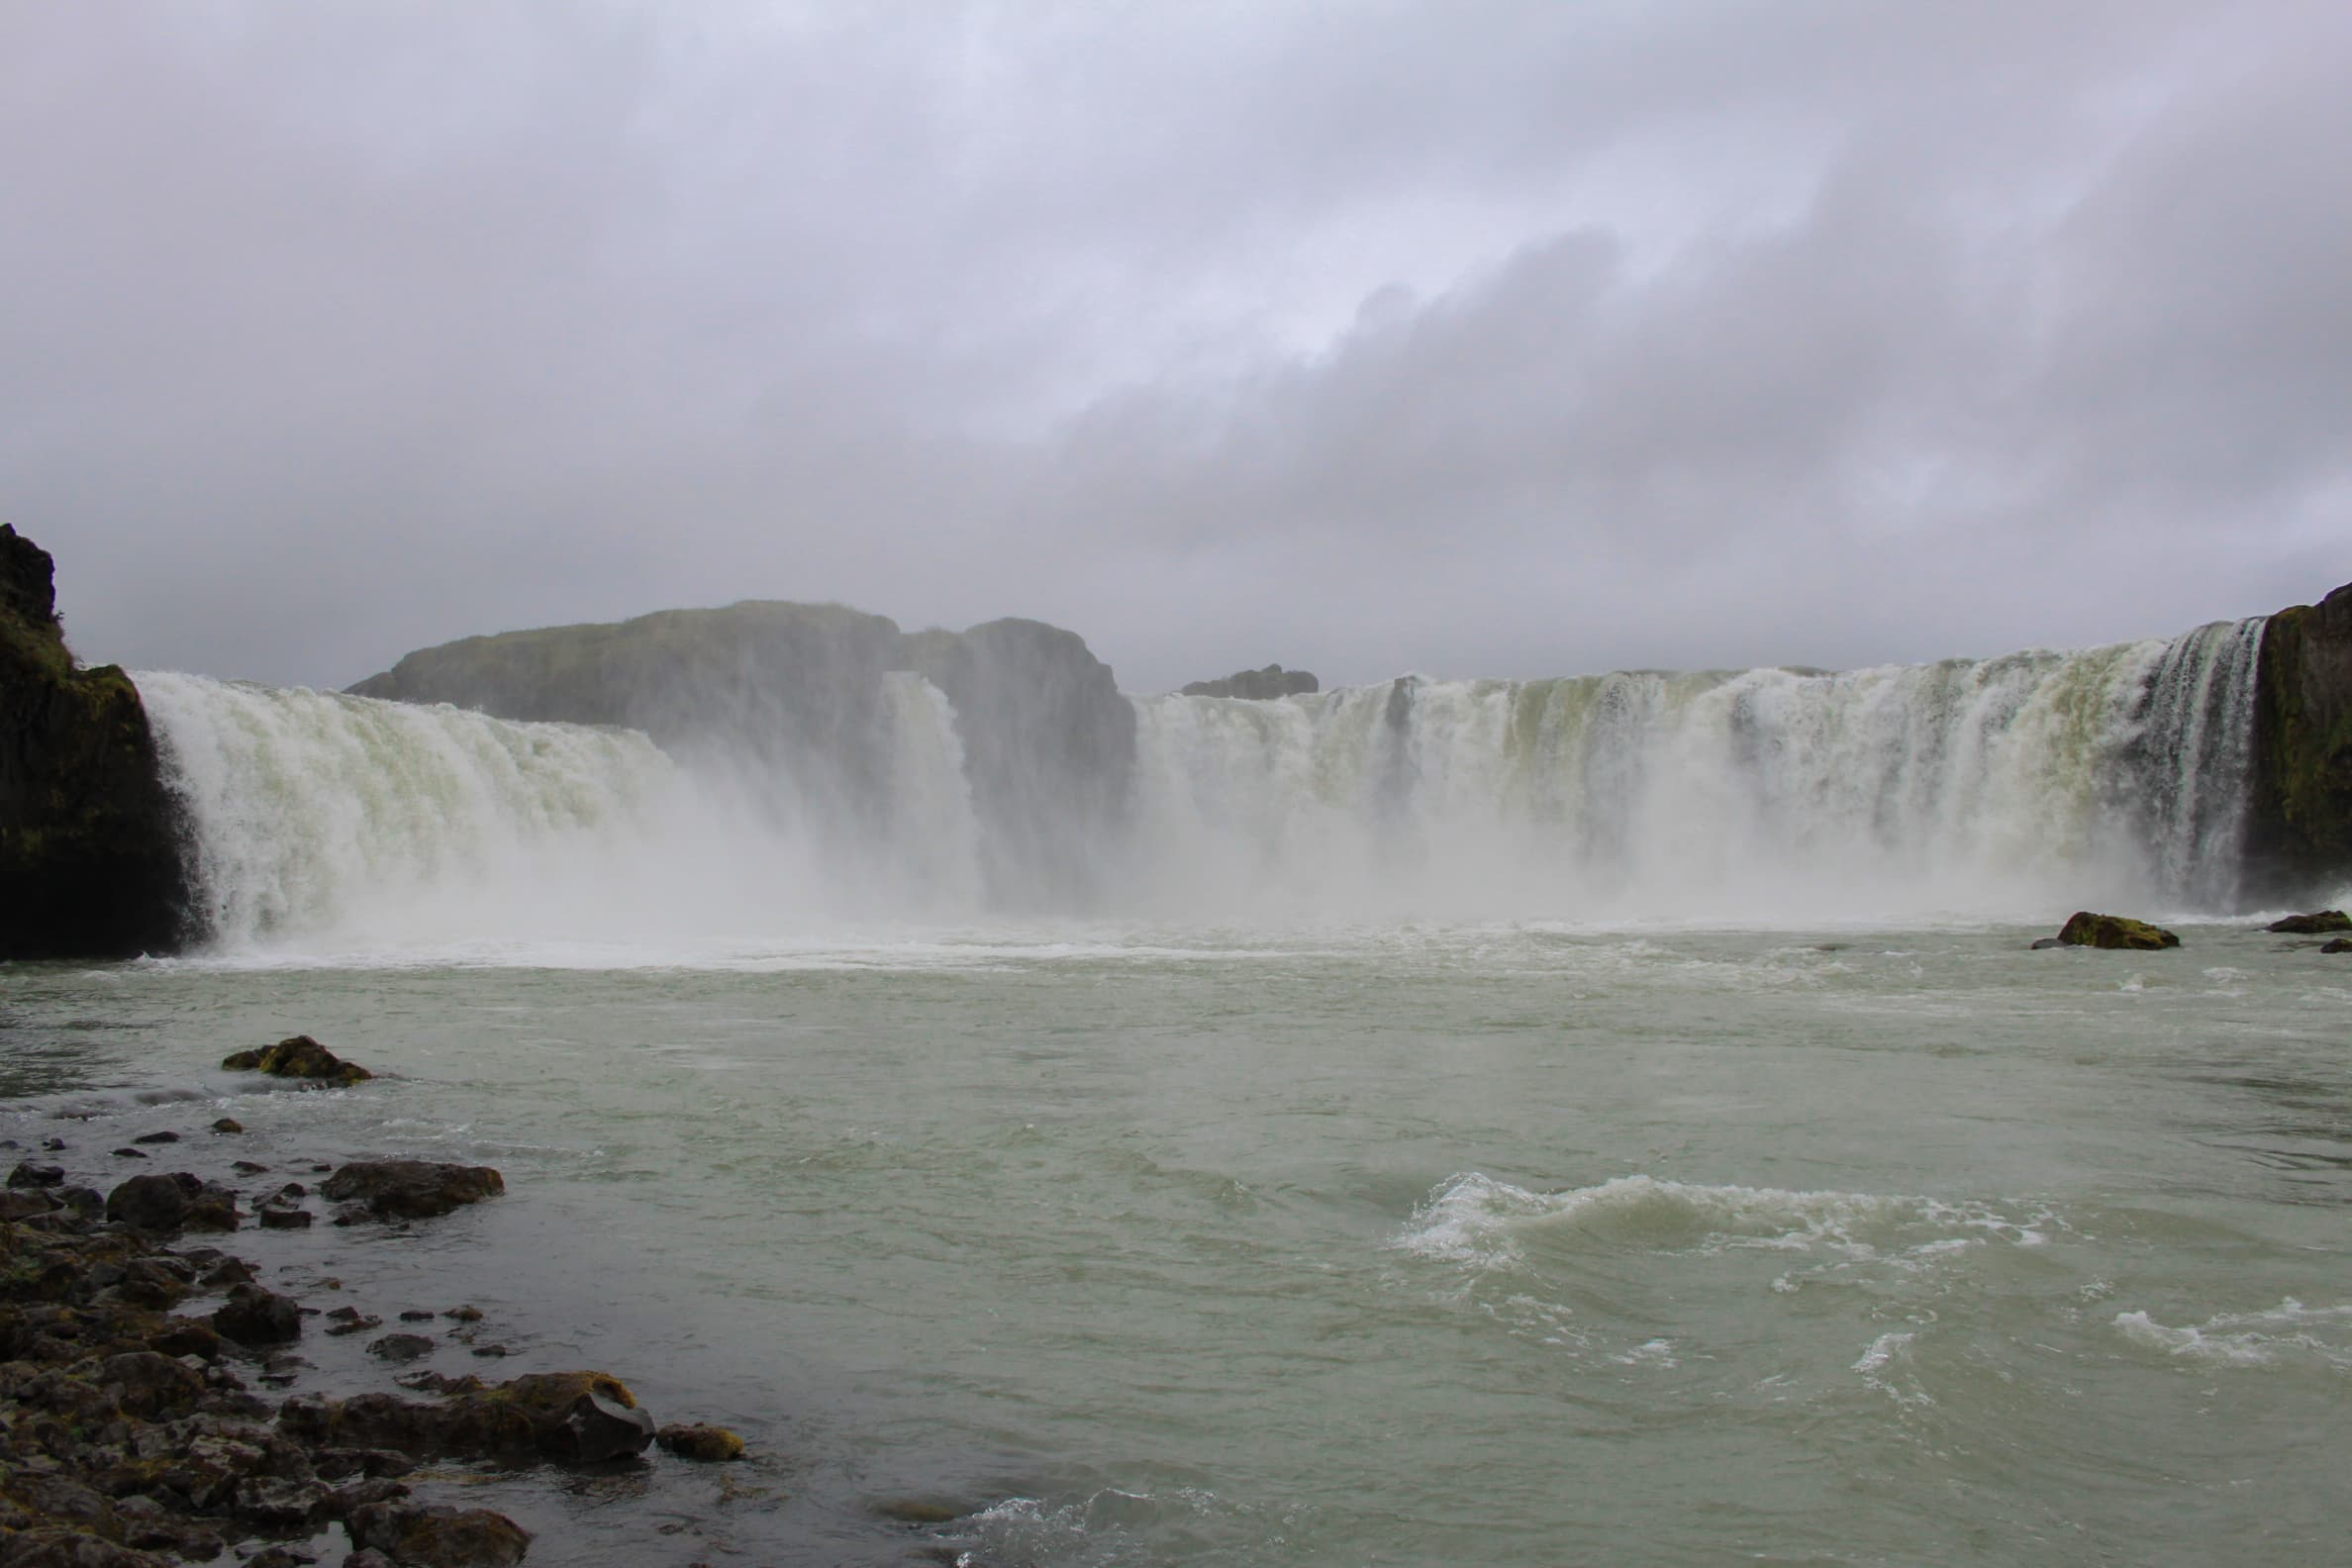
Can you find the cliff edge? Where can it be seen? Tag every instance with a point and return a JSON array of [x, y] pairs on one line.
[[2298, 833], [90, 863]]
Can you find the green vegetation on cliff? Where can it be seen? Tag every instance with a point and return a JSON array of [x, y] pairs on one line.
[[90, 863]]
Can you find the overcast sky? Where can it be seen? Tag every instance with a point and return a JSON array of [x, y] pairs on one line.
[[1504, 339]]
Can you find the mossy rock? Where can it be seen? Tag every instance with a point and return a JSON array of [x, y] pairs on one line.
[[2086, 930], [2316, 924], [298, 1056], [708, 1444]]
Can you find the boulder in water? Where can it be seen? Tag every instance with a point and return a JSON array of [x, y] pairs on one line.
[[2342, 944], [2086, 930], [2313, 925], [298, 1056], [411, 1189]]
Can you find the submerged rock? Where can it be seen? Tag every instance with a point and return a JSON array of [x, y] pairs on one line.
[[409, 1189], [298, 1056], [2339, 946], [2311, 925], [708, 1444], [2086, 930], [416, 1536]]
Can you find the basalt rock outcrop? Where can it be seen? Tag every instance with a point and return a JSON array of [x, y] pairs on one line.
[[1049, 752], [802, 692], [1259, 685], [90, 863], [2298, 830]]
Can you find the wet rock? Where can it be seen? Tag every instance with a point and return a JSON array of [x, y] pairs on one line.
[[278, 1217], [2044, 944], [2086, 930], [419, 1536], [256, 1317], [129, 1153], [2316, 924], [298, 1056], [152, 1203], [350, 1321], [409, 1189], [156, 1137], [55, 1145], [245, 1167], [341, 1464], [227, 1271], [68, 1548], [23, 1204], [710, 1444], [31, 1174], [227, 1124], [416, 1315], [490, 1352], [467, 1313], [578, 1418], [400, 1347], [144, 1383], [2339, 946], [281, 1503]]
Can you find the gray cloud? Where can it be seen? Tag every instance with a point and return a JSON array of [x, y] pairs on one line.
[[1500, 338]]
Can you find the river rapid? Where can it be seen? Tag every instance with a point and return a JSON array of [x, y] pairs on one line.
[[1314, 1243]]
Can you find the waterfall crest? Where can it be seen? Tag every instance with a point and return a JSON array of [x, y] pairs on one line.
[[1968, 787], [2008, 787]]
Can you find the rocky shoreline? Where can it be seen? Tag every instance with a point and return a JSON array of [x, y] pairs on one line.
[[155, 1405]]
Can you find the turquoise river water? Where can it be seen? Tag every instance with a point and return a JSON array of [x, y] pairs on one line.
[[1496, 1244]]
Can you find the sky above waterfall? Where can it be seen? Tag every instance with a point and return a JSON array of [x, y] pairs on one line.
[[1461, 336]]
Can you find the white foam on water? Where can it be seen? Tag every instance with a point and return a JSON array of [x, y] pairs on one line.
[[2290, 1334], [1476, 1221]]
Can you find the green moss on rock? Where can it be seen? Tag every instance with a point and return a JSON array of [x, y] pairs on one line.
[[2086, 930]]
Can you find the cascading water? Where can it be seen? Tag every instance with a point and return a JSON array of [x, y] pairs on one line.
[[317, 818], [2007, 787], [1999, 787]]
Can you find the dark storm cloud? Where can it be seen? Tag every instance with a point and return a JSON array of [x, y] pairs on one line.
[[1502, 339]]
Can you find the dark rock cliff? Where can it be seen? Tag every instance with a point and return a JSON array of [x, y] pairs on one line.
[[796, 690], [2299, 836], [90, 863], [789, 687], [1259, 685], [1049, 753]]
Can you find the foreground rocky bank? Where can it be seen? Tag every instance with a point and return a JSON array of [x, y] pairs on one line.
[[157, 1406]]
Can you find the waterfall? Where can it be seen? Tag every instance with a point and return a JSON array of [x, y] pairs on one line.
[[1985, 788], [319, 818], [2012, 787]]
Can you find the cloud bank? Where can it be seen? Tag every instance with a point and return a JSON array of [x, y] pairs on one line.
[[1473, 338]]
